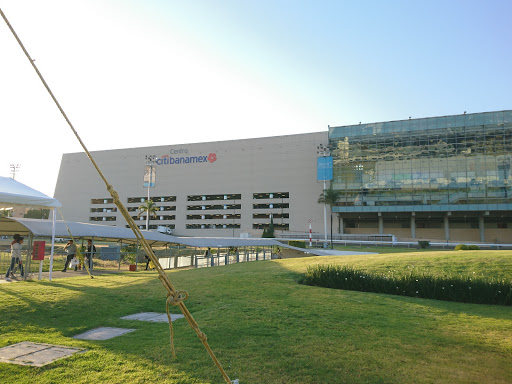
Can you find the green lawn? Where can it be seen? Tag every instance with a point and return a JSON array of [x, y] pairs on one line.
[[266, 328]]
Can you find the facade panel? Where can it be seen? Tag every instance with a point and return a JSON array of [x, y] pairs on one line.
[[206, 189], [451, 166]]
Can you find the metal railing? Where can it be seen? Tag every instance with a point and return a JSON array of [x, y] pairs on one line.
[[337, 236], [169, 259]]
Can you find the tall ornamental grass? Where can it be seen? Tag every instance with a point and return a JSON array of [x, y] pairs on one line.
[[466, 288]]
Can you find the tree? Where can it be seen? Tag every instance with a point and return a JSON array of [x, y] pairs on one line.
[[37, 214], [5, 212], [330, 197], [269, 232], [150, 208]]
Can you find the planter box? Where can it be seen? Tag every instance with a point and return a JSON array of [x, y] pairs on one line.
[[133, 267]]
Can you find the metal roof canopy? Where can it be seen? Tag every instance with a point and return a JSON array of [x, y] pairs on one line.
[[43, 228]]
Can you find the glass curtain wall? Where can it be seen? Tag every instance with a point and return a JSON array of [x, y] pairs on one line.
[[453, 160]]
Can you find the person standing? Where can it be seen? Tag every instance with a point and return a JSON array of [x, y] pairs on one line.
[[70, 249], [15, 256], [91, 251]]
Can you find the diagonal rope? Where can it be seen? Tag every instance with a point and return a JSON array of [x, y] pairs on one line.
[[80, 256], [177, 296]]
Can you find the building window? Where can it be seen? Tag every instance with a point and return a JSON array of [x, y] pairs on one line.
[[281, 226], [102, 218], [163, 199], [109, 209], [102, 201], [155, 199], [161, 208], [213, 207], [213, 217], [172, 226], [450, 160], [213, 226], [229, 196], [153, 218], [271, 195], [271, 206], [267, 215]]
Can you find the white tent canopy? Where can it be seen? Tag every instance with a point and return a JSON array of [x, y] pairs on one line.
[[13, 193]]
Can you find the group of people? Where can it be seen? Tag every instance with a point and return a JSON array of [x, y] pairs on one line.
[[70, 250]]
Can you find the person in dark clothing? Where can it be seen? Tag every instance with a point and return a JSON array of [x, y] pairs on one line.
[[147, 261], [90, 252]]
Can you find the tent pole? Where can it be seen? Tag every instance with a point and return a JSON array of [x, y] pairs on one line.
[[92, 254], [27, 262], [54, 215], [120, 254]]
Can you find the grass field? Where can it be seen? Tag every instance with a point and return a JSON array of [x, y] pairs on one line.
[[266, 328]]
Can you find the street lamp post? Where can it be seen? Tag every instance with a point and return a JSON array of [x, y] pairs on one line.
[[149, 179], [324, 151]]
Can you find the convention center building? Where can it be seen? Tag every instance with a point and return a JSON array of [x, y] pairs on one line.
[[439, 178], [216, 189]]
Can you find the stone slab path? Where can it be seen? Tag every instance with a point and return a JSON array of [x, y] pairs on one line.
[[103, 333], [35, 354], [152, 316]]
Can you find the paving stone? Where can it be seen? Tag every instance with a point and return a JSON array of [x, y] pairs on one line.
[[103, 333], [143, 316], [35, 354], [23, 348], [152, 317]]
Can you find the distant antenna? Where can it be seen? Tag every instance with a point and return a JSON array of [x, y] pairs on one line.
[[14, 168]]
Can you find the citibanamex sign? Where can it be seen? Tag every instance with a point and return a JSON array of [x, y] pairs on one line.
[[176, 160]]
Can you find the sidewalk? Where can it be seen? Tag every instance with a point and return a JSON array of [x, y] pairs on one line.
[[59, 275]]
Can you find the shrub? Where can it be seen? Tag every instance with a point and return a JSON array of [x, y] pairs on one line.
[[461, 247], [297, 243], [129, 253], [474, 247], [424, 244], [461, 288]]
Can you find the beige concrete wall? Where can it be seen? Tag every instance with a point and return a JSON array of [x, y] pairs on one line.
[[470, 235], [276, 164], [503, 236]]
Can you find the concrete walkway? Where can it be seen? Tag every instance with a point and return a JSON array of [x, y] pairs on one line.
[[333, 252], [327, 252], [59, 275]]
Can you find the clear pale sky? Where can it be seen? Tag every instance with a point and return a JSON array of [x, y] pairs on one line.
[[160, 72]]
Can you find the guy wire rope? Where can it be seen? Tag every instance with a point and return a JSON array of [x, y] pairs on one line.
[[174, 297]]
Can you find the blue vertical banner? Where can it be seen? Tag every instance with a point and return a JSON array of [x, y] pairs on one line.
[[324, 168], [149, 176]]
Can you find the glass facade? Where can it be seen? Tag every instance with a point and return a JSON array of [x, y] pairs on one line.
[[450, 163]]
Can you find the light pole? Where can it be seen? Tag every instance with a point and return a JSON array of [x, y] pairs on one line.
[[14, 168], [149, 180], [324, 151]]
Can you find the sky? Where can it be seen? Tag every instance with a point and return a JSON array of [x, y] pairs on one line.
[[134, 73]]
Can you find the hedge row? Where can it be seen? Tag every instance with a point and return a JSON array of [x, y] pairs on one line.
[[461, 288]]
